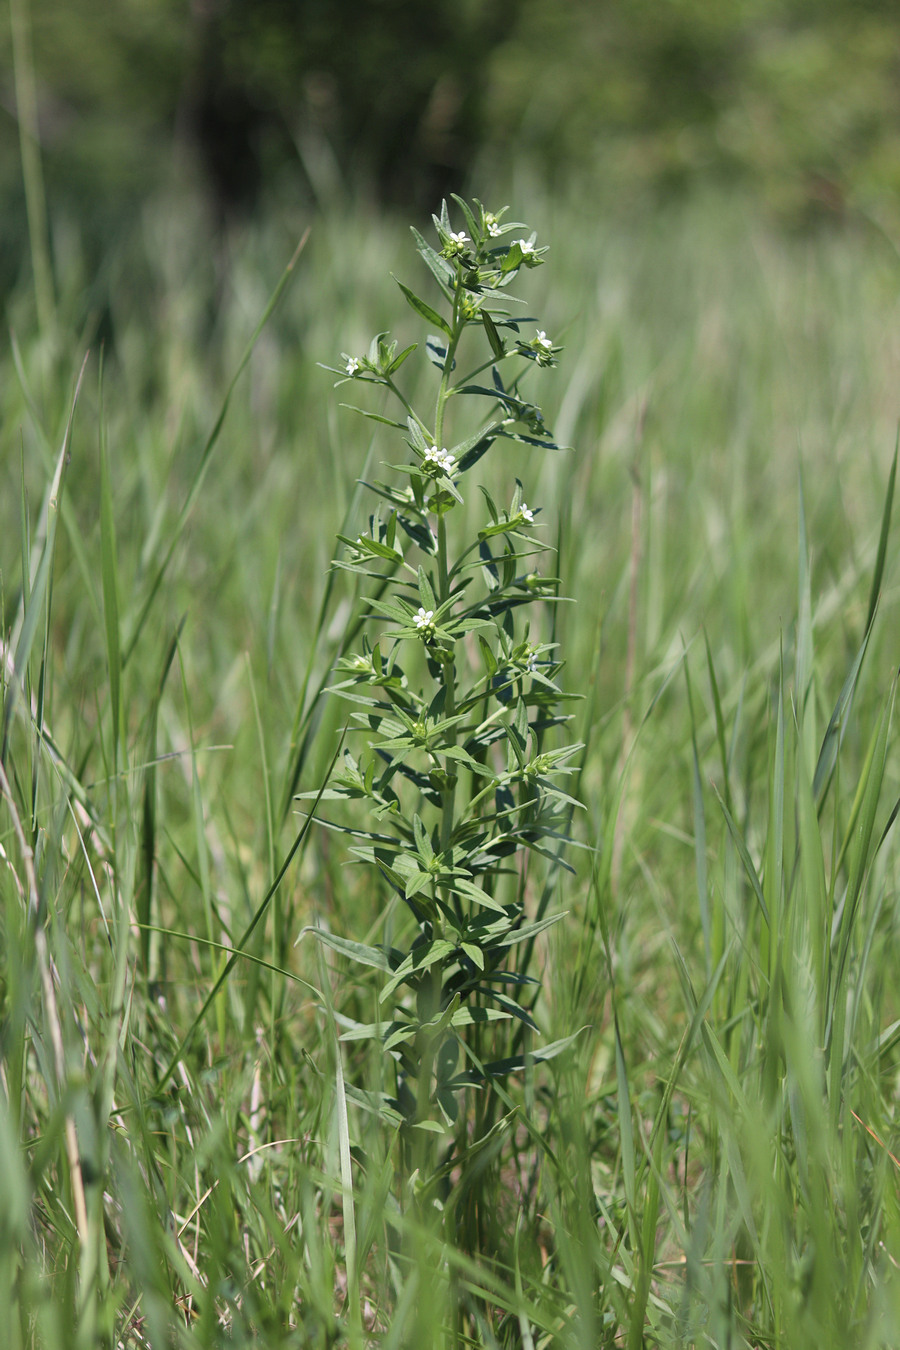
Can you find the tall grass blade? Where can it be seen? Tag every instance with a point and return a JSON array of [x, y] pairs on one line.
[[144, 889], [205, 458], [744, 855], [699, 831], [109, 574], [878, 574], [36, 586], [248, 931]]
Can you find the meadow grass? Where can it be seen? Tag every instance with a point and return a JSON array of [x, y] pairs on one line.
[[187, 1157]]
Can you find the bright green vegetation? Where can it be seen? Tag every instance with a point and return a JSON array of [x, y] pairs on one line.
[[186, 1155]]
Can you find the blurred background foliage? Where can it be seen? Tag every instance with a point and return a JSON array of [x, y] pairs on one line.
[[400, 101]]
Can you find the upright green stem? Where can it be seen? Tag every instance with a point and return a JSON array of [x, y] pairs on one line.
[[449, 792], [456, 328]]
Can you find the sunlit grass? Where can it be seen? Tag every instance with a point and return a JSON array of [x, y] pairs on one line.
[[714, 1163]]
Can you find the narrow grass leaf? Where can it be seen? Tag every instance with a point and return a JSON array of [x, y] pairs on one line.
[[803, 640], [246, 935], [626, 1132], [744, 855], [38, 586], [837, 726], [699, 831], [720, 724], [878, 574], [868, 795], [347, 1205], [424, 310], [109, 572], [205, 458]]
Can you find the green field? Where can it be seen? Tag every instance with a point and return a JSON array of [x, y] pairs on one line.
[[189, 1156]]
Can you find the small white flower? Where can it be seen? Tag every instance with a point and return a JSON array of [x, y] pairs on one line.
[[352, 365], [542, 340], [526, 513], [458, 238], [531, 665], [441, 459], [424, 619], [527, 249], [493, 225]]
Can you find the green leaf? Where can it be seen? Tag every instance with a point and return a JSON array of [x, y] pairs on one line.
[[475, 1016], [398, 360], [460, 886], [373, 417], [423, 841], [862, 823], [356, 951], [699, 831], [744, 853], [437, 349], [421, 958], [837, 725], [417, 435], [365, 1031], [530, 930], [426, 594], [438, 266], [372, 547], [493, 336], [490, 663], [109, 573], [720, 723], [476, 439], [424, 310], [883, 539], [378, 1103], [518, 1062], [205, 459], [489, 531], [389, 611], [30, 615], [474, 953], [471, 224], [417, 882]]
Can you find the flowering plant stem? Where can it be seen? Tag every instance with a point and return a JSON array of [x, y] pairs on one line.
[[454, 769]]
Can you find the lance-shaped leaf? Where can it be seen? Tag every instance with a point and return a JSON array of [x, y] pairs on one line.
[[419, 959], [423, 309]]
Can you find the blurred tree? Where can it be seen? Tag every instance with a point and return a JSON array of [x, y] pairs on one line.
[[388, 93], [800, 98], [385, 96]]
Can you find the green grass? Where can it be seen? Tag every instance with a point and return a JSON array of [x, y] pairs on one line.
[[185, 1159]]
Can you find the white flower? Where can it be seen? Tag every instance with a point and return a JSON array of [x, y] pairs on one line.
[[441, 459], [458, 238], [542, 340], [352, 365], [526, 513], [424, 619], [492, 223], [531, 665], [527, 249]]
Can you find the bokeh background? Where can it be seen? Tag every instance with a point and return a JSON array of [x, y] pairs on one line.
[[296, 105]]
